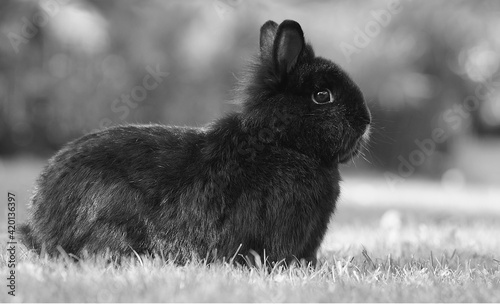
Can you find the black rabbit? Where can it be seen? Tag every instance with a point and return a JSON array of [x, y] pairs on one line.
[[264, 180]]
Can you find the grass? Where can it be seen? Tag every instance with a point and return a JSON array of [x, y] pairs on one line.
[[368, 255], [438, 260]]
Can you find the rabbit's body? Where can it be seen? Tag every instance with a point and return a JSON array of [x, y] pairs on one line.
[[263, 180], [129, 195]]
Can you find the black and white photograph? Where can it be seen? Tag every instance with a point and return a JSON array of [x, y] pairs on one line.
[[250, 151]]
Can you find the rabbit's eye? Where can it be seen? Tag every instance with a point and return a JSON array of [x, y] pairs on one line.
[[322, 96]]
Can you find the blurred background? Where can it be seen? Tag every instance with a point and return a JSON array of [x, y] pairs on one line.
[[430, 72]]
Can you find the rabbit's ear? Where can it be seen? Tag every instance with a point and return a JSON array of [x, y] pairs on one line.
[[288, 46], [267, 34]]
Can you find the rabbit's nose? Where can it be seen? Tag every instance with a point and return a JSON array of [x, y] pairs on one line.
[[361, 108], [366, 118]]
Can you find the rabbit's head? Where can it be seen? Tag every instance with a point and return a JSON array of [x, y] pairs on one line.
[[305, 102]]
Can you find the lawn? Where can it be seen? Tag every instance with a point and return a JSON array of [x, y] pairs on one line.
[[370, 254]]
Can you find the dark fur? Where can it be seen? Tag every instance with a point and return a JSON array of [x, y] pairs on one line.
[[265, 179]]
